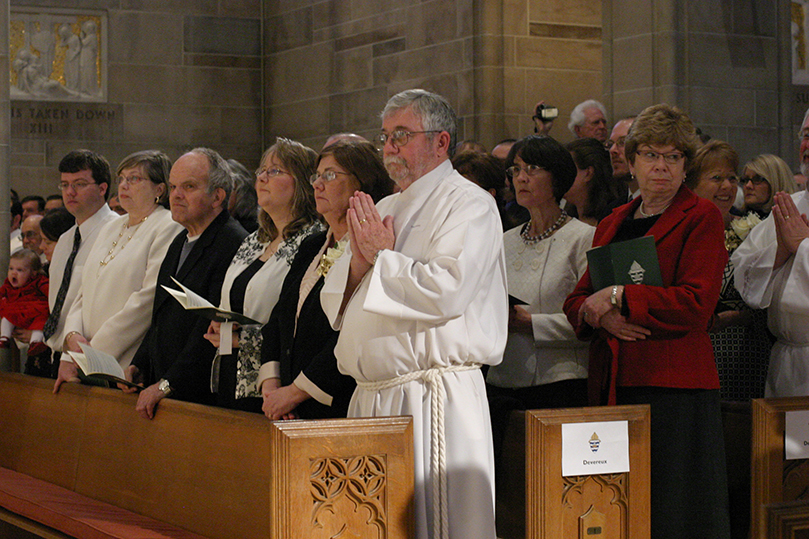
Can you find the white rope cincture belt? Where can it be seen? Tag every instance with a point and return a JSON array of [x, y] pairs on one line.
[[438, 458]]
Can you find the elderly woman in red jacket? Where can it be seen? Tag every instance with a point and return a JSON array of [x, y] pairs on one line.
[[650, 344]]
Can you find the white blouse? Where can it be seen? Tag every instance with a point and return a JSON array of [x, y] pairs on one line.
[[260, 298], [541, 276]]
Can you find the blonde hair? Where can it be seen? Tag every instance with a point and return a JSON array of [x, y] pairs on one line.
[[777, 173]]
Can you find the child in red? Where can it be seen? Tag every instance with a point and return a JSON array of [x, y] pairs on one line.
[[24, 300]]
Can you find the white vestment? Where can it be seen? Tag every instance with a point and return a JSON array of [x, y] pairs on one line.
[[437, 300], [785, 293]]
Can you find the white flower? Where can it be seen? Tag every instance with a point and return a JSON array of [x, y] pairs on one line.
[[744, 225]]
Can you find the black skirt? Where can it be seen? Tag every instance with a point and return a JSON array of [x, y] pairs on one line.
[[689, 478]]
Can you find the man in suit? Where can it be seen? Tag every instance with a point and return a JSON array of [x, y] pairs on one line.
[[174, 358], [84, 181]]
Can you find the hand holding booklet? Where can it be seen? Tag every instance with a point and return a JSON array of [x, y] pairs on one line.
[[191, 301], [99, 364]]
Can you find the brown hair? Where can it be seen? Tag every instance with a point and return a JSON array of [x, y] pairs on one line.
[[662, 125], [299, 161], [155, 164], [711, 154], [29, 256], [361, 160]]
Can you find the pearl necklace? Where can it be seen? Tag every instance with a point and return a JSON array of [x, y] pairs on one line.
[[110, 256], [531, 240], [644, 214]]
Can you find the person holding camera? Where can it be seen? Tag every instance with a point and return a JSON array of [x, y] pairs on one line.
[[543, 117]]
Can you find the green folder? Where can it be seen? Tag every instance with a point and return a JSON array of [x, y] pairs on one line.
[[626, 262]]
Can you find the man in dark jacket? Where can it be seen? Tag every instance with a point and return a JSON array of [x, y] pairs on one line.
[[174, 358]]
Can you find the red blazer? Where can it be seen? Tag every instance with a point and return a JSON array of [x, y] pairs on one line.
[[689, 237], [27, 306]]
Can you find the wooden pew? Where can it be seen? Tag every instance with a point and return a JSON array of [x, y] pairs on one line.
[[774, 479], [534, 500], [788, 520], [213, 472]]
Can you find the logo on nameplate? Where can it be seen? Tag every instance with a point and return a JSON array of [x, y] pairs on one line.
[[594, 442]]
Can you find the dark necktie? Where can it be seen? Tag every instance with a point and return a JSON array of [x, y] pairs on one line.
[[53, 319]]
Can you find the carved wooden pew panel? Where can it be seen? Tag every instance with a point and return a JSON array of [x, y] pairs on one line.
[[215, 472]]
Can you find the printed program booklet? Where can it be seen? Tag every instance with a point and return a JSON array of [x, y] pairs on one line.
[[191, 301], [97, 364]]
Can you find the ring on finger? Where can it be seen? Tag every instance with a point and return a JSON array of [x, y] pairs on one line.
[[363, 220]]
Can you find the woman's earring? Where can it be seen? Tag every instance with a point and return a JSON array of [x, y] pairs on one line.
[[157, 200]]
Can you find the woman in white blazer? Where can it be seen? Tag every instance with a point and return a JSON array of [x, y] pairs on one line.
[[114, 307]]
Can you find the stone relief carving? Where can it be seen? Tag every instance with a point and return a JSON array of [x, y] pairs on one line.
[[349, 497], [58, 55]]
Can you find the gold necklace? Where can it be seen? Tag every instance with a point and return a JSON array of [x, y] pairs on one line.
[[110, 256]]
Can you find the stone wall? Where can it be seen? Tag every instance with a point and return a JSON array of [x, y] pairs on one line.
[[234, 74], [553, 52], [727, 63], [181, 74], [331, 65]]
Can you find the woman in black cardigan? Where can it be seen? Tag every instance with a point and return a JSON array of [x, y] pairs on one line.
[[298, 376]]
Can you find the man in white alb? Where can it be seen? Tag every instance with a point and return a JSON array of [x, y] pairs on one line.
[[420, 300], [772, 272]]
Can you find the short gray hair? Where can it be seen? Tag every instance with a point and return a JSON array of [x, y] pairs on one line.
[[244, 189], [800, 129], [433, 110], [218, 172], [577, 117]]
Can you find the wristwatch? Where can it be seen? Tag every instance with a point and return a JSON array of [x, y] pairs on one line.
[[164, 386], [614, 296]]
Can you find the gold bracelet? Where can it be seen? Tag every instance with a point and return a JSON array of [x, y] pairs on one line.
[[69, 335]]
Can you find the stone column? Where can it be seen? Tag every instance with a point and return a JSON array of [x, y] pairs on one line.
[[5, 135], [725, 63]]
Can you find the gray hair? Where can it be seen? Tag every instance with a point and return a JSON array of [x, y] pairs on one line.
[[244, 189], [218, 172], [800, 129], [577, 117], [433, 110]]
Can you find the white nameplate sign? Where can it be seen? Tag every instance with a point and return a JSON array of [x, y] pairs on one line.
[[595, 448], [796, 435]]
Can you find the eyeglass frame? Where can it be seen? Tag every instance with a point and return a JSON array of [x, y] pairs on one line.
[[530, 170], [651, 156], [131, 180], [270, 172], [620, 142], [76, 186], [318, 176], [382, 138], [758, 179]]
